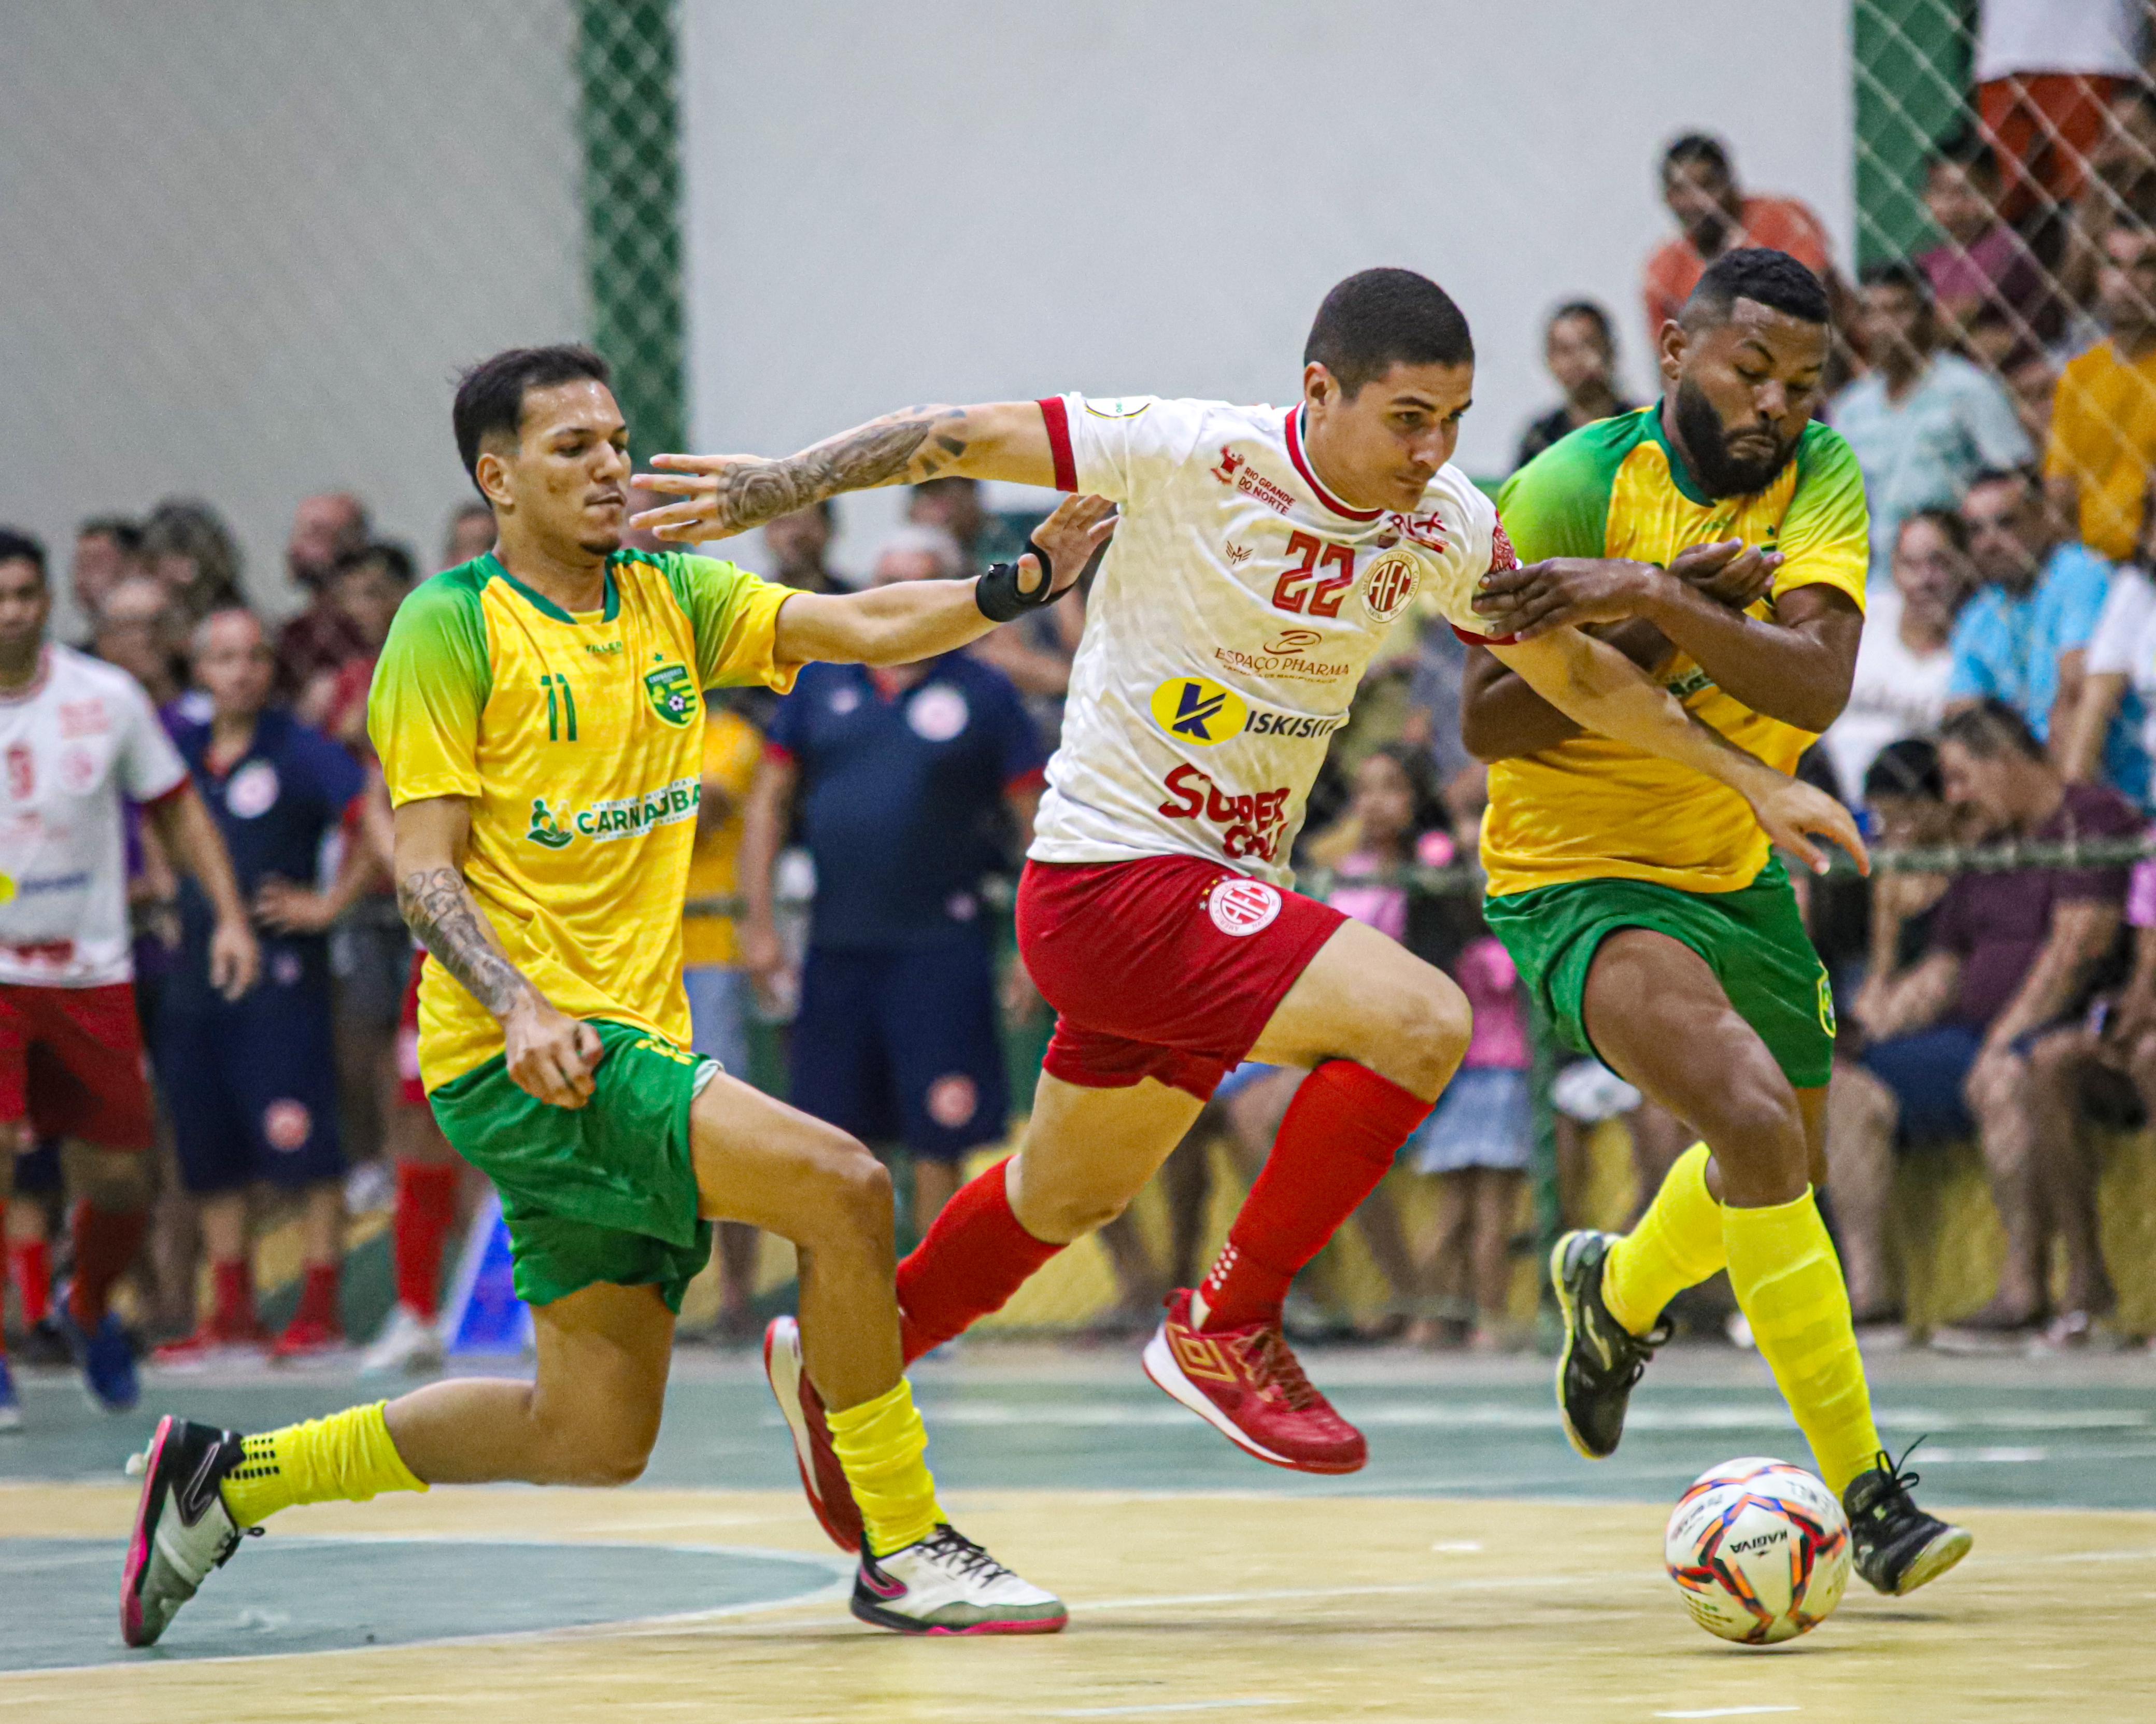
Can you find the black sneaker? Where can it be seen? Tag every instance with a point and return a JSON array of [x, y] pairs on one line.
[[182, 1529], [1601, 1359], [1898, 1545]]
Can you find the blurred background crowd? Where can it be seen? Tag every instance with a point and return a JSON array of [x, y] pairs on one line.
[[846, 938]]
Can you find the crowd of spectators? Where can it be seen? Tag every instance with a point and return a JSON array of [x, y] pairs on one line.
[[1998, 386]]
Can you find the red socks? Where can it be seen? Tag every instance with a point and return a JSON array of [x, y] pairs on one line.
[[1339, 1139], [318, 1296], [426, 1211], [232, 1293], [30, 1265], [975, 1257], [106, 1242]]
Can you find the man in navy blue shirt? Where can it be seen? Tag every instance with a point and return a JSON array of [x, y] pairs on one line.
[[908, 782], [251, 1083]]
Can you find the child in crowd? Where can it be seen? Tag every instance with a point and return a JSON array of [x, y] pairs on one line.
[[1480, 1138]]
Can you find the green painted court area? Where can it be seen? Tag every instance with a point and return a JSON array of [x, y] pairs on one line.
[[298, 1595], [2075, 1431]]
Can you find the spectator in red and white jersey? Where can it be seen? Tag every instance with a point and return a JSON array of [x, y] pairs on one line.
[[76, 736]]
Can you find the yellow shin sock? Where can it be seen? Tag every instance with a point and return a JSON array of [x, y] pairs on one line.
[[881, 1444], [346, 1457], [1677, 1245], [1789, 1284]]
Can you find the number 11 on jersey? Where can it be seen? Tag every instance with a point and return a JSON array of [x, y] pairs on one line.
[[561, 708]]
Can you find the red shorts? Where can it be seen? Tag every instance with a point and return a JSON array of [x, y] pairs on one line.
[[409, 1090], [71, 1062], [1168, 968]]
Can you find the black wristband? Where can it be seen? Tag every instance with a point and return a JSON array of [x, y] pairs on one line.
[[1000, 597]]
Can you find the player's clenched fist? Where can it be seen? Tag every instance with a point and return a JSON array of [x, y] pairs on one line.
[[550, 1054]]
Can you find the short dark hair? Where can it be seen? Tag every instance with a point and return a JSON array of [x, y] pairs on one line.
[[1908, 767], [16, 545], [124, 532], [1946, 520], [1380, 318], [2027, 477], [392, 555], [1698, 147], [1898, 272], [1990, 729], [1772, 278], [1589, 311], [491, 395]]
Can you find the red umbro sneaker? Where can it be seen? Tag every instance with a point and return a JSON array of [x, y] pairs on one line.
[[1247, 1385], [821, 1478]]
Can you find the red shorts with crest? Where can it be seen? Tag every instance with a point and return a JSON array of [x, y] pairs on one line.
[[1167, 967], [71, 1064]]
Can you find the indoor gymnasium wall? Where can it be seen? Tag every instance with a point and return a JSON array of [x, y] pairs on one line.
[[954, 201], [247, 240]]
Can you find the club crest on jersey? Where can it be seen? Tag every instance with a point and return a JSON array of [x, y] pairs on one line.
[[673, 695], [1194, 708], [1242, 907], [1389, 586]]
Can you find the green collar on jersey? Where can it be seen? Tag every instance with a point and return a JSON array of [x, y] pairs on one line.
[[545, 607]]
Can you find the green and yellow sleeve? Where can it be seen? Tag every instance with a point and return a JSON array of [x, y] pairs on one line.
[[735, 615], [1558, 504], [430, 683], [1826, 536]]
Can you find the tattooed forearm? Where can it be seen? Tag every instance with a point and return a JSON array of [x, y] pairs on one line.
[[436, 906], [906, 446]]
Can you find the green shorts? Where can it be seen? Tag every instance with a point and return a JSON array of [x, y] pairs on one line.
[[602, 1193], [1753, 939]]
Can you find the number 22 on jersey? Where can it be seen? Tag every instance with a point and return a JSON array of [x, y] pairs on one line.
[[1306, 588]]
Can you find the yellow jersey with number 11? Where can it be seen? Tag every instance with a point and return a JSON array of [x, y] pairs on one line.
[[579, 742]]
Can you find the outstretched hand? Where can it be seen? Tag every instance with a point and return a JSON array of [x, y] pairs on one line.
[[1791, 809], [1074, 537], [721, 496]]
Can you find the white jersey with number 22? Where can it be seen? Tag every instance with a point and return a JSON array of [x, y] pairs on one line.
[[1229, 626]]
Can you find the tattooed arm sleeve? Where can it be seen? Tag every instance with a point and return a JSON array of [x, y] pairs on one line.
[[723, 495], [439, 907]]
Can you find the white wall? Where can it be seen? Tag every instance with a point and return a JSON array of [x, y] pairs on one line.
[[243, 243], [952, 201]]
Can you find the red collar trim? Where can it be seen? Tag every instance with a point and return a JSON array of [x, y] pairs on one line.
[[1310, 477], [36, 685]]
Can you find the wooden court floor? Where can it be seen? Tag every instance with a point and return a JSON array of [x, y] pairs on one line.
[[1183, 1607]]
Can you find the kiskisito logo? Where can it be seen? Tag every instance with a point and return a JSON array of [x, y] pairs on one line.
[[1389, 585], [1195, 709], [673, 695]]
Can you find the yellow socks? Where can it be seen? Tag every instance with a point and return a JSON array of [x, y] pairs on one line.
[[1789, 1284], [348, 1457], [880, 1444], [1677, 1245]]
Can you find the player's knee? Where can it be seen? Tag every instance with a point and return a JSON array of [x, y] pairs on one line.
[[860, 1192], [1757, 1133], [1428, 1026]]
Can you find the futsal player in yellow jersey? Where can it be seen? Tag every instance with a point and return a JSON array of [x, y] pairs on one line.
[[539, 716], [1721, 536]]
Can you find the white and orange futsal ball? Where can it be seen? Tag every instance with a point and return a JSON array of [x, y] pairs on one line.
[[1759, 1551]]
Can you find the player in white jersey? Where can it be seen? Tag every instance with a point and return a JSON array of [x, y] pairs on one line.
[[77, 734], [1262, 555]]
